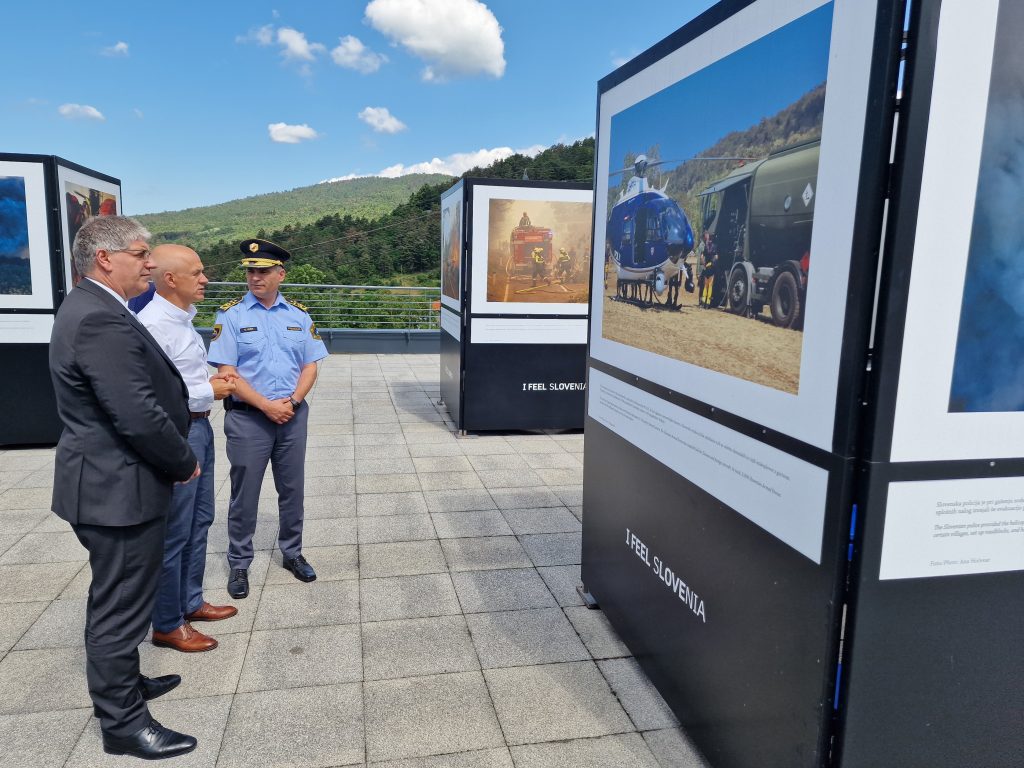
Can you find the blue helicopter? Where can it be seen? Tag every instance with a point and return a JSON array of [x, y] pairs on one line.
[[648, 237]]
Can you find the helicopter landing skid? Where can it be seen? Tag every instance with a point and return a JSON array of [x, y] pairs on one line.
[[641, 293]]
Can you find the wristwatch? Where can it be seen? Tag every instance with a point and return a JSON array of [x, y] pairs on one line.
[[295, 403]]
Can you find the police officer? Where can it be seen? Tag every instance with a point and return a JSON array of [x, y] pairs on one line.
[[273, 345]]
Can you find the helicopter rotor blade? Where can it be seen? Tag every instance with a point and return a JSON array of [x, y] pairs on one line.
[[654, 163]]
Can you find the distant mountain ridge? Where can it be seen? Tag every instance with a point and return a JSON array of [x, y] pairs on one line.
[[367, 198]]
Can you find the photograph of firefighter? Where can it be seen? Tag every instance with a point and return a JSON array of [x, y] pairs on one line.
[[728, 198], [538, 251], [988, 375], [451, 251]]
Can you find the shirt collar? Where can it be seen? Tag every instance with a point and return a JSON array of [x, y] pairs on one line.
[[121, 299], [250, 301], [184, 316]]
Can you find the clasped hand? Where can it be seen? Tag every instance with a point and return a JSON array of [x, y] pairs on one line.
[[223, 384], [279, 411]]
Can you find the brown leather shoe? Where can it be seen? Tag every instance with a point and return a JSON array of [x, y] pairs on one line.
[[184, 639], [207, 612]]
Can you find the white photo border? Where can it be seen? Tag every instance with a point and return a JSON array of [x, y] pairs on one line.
[[40, 252]]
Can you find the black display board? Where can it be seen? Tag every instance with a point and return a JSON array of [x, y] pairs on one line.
[[35, 277], [720, 476], [933, 662], [515, 266]]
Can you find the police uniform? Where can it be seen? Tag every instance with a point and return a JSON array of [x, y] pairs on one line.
[[269, 347]]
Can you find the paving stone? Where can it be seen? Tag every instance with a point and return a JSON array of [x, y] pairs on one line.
[[562, 580], [79, 585], [533, 444], [26, 498], [597, 632], [381, 504], [422, 450], [211, 673], [45, 548], [328, 506], [577, 511], [404, 558], [328, 532], [459, 500], [203, 718], [525, 638], [387, 428], [387, 483], [40, 738], [490, 462], [459, 525], [627, 749], [395, 465], [61, 625], [18, 522], [642, 702], [524, 498], [330, 486], [330, 564], [390, 528], [450, 481], [487, 758], [570, 495], [542, 520], [429, 715], [49, 523], [509, 478], [264, 539], [307, 605], [486, 446], [407, 597], [484, 553], [35, 582], [58, 671], [302, 656], [557, 460], [414, 647], [442, 464], [507, 590], [552, 548], [329, 468], [298, 727], [554, 702], [673, 749], [15, 620]]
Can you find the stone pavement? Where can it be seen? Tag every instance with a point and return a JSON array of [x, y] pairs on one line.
[[444, 628]]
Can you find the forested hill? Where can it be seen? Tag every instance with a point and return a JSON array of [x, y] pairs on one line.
[[369, 197], [403, 246]]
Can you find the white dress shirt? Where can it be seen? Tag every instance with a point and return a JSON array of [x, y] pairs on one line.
[[172, 328]]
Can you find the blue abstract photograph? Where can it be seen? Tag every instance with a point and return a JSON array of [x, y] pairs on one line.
[[15, 266], [988, 373]]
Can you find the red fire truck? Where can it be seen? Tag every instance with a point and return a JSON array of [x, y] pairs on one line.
[[521, 245]]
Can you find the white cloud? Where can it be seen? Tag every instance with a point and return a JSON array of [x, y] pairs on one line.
[[83, 111], [283, 133], [381, 120], [138, 113], [120, 48], [454, 37], [452, 165], [260, 35], [295, 46], [351, 53]]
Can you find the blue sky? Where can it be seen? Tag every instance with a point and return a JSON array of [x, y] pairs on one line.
[[731, 94], [194, 103]]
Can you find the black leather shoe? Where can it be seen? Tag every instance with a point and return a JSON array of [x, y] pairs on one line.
[[152, 688], [154, 742], [238, 583], [155, 687], [300, 569]]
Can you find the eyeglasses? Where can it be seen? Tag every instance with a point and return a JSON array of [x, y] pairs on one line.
[[139, 253]]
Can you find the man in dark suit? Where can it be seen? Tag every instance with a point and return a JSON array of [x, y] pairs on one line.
[[125, 413]]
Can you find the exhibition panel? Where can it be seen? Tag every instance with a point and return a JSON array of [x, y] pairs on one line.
[[519, 321], [725, 373], [452, 241], [26, 279], [82, 194], [934, 663]]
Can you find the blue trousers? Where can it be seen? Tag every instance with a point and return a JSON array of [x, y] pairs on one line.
[[180, 588]]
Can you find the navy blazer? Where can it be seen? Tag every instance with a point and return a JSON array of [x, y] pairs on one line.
[[125, 412]]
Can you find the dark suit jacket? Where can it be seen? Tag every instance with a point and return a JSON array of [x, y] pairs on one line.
[[125, 413]]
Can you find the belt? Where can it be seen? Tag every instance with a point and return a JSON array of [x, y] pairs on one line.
[[202, 415], [237, 405]]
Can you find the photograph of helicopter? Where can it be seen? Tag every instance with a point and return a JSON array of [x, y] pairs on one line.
[[538, 251], [711, 194]]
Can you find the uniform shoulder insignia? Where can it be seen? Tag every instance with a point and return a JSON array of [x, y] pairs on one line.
[[230, 304], [297, 304]]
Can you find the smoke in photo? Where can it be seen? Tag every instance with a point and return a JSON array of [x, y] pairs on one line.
[[988, 372]]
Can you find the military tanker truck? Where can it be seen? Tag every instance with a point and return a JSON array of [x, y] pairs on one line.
[[760, 217]]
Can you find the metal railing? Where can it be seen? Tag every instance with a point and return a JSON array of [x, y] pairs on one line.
[[362, 307]]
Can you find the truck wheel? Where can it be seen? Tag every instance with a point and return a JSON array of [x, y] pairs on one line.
[[738, 289], [785, 300]]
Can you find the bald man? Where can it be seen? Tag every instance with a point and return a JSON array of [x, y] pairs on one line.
[[180, 281]]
